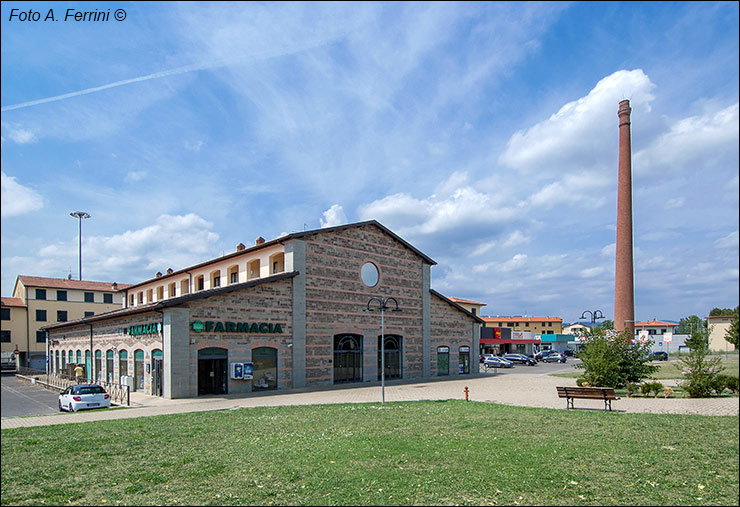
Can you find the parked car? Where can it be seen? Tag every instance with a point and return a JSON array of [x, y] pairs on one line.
[[554, 357], [520, 359], [83, 396], [659, 356], [569, 353], [497, 362], [542, 353]]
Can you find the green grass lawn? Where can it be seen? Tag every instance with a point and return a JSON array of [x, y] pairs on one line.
[[418, 453]]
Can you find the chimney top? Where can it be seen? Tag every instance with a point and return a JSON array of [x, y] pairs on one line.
[[624, 108], [240, 247], [114, 286], [159, 273], [260, 240], [169, 271]]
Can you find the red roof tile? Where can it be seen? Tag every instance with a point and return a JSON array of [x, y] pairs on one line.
[[13, 302], [65, 283]]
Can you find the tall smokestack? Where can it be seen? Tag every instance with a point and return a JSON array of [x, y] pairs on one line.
[[624, 288]]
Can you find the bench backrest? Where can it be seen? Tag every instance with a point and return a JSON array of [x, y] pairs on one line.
[[587, 392]]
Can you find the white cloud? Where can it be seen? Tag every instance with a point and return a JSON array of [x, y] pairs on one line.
[[675, 203], [17, 199], [729, 241], [582, 131], [135, 176], [333, 216], [703, 140]]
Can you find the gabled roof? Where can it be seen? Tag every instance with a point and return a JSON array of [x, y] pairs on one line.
[[283, 239], [13, 302], [170, 302], [66, 283], [465, 301], [457, 306]]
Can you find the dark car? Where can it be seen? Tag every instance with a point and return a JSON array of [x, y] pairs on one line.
[[497, 362], [520, 359], [659, 356], [554, 357], [542, 353], [569, 353]]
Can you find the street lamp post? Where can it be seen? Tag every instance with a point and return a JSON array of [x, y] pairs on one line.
[[382, 306], [596, 314], [80, 215]]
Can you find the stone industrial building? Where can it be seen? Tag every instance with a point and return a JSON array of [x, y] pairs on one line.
[[286, 313]]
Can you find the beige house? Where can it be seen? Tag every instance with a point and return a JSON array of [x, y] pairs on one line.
[[471, 306], [536, 325], [718, 326], [39, 301]]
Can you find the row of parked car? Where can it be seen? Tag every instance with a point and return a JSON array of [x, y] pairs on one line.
[[508, 360]]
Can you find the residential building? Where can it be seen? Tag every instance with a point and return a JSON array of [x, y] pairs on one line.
[[472, 306], [39, 301], [718, 326], [535, 325]]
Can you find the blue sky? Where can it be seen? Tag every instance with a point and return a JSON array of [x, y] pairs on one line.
[[485, 134]]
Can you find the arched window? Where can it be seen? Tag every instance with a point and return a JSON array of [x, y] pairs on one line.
[[78, 357], [157, 372], [160, 293], [443, 360], [98, 365], [184, 287], [393, 366], [109, 365], [464, 360], [56, 362], [265, 373], [216, 279], [171, 290], [88, 365], [149, 296], [122, 363], [277, 263], [199, 283], [347, 358], [253, 269], [138, 369], [234, 274], [64, 361]]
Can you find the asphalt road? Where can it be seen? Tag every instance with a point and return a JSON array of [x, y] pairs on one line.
[[20, 399]]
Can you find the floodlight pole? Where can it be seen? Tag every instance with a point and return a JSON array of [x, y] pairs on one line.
[[80, 215]]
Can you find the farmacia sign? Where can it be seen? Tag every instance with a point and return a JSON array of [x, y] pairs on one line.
[[210, 326]]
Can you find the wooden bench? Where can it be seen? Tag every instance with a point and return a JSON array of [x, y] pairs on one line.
[[590, 393]]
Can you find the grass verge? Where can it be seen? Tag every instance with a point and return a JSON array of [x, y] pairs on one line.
[[416, 453]]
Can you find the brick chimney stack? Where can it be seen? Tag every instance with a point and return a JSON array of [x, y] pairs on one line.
[[624, 288]]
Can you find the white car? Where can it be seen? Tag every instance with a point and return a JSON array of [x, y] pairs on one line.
[[83, 396]]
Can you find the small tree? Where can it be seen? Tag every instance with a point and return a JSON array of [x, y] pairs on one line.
[[614, 361], [700, 373], [732, 332]]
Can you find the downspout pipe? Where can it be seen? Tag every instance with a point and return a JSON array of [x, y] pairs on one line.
[[163, 356]]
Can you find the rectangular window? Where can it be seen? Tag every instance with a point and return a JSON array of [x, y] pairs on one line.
[[40, 293], [5, 337], [61, 316], [526, 324], [141, 298], [108, 299], [549, 324], [199, 283], [234, 277], [6, 314], [89, 297], [40, 315], [89, 314], [510, 324], [40, 337], [61, 295], [216, 281]]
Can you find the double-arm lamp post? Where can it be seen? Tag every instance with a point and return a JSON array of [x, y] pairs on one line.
[[596, 314], [382, 303]]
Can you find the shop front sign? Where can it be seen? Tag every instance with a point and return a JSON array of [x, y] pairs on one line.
[[140, 329], [210, 326]]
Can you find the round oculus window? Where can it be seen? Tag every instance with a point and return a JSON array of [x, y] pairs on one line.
[[370, 275]]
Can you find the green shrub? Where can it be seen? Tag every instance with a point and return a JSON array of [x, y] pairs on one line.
[[631, 389], [701, 374], [731, 383], [614, 361], [655, 388]]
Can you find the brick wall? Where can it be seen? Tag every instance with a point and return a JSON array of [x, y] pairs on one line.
[[451, 328]]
